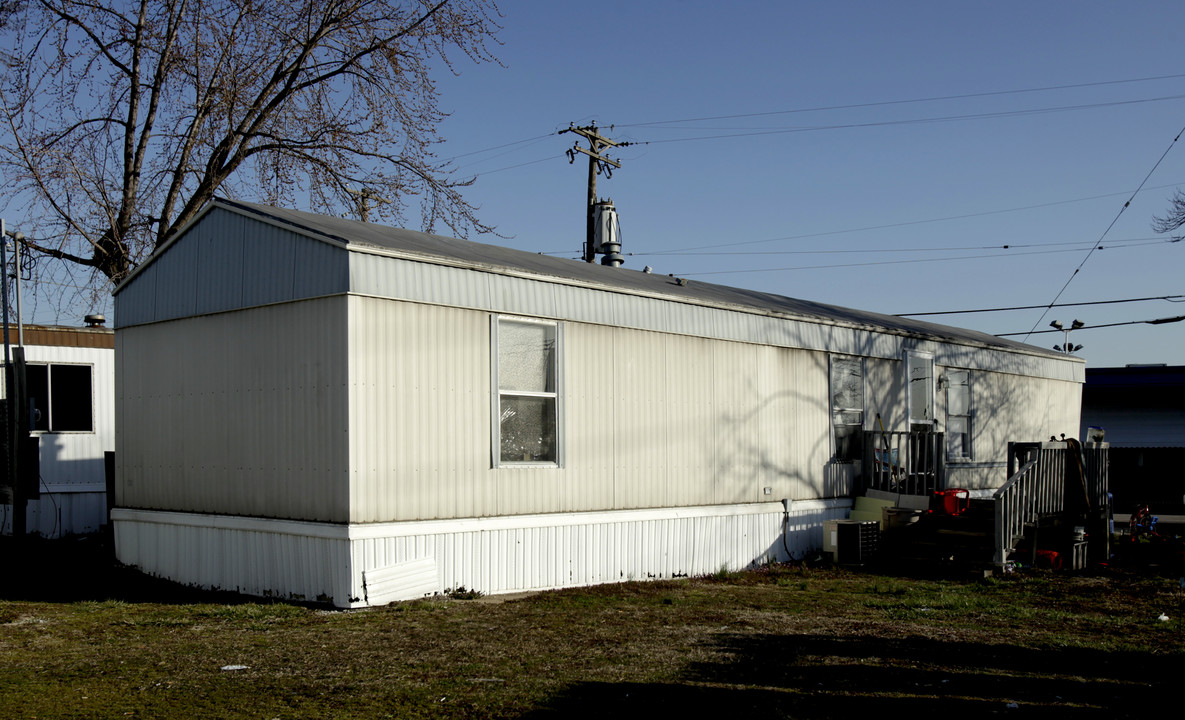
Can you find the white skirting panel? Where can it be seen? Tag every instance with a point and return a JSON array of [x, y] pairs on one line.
[[256, 556], [57, 514], [319, 561]]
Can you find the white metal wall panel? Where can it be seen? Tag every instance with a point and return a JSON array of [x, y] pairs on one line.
[[798, 428], [136, 302], [384, 277], [1036, 410], [283, 279], [218, 270], [228, 261], [419, 412], [687, 413], [884, 394], [592, 437], [239, 413], [738, 436], [651, 420], [176, 284]]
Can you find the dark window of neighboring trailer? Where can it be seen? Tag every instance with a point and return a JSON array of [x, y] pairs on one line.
[[62, 398], [37, 387]]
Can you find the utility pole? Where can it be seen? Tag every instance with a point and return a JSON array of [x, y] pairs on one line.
[[365, 196], [597, 163], [15, 394]]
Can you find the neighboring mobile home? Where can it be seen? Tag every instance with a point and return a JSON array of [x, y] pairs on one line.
[[1140, 410], [70, 375], [320, 408]]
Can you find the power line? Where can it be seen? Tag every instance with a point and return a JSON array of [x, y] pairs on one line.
[[503, 145], [518, 165], [1113, 221], [1158, 321], [837, 107], [909, 223], [904, 102], [868, 251], [877, 262], [915, 121], [1170, 298]]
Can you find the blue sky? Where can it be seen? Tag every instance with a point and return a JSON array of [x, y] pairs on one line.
[[817, 150], [862, 188]]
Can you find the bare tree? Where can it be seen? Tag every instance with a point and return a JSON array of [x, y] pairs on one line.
[[121, 119], [1174, 218]]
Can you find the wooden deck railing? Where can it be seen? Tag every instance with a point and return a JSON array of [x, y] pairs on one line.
[[1041, 476], [909, 463]]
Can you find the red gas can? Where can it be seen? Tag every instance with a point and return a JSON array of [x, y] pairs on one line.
[[954, 501]]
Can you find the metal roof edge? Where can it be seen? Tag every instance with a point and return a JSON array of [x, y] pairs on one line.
[[445, 261]]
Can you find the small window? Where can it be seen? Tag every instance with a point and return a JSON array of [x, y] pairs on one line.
[[526, 404], [958, 414], [60, 397], [847, 407]]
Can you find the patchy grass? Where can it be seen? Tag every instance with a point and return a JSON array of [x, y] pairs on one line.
[[780, 641]]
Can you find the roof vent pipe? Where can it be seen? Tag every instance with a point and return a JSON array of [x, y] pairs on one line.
[[607, 234], [95, 320]]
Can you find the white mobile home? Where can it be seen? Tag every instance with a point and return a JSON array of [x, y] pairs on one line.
[[320, 408], [70, 375]]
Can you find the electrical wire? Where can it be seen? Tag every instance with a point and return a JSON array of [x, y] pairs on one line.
[[499, 147], [867, 251], [904, 102], [1126, 205], [522, 164], [909, 223], [884, 262], [914, 121], [1158, 321], [1169, 298]]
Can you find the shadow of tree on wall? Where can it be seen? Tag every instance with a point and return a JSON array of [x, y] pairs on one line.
[[819, 676]]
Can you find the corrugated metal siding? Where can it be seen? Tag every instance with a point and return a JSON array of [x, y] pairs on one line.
[[316, 561], [286, 560], [884, 393], [541, 552], [419, 412], [386, 277], [651, 420], [1036, 410], [228, 261], [239, 413]]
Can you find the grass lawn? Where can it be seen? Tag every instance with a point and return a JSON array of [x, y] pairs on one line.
[[81, 638]]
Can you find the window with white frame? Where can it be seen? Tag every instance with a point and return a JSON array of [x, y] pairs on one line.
[[526, 403], [919, 388], [958, 413], [61, 397], [847, 407]]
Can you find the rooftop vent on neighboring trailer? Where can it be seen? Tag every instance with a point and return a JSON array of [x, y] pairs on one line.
[[607, 234], [95, 320]]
